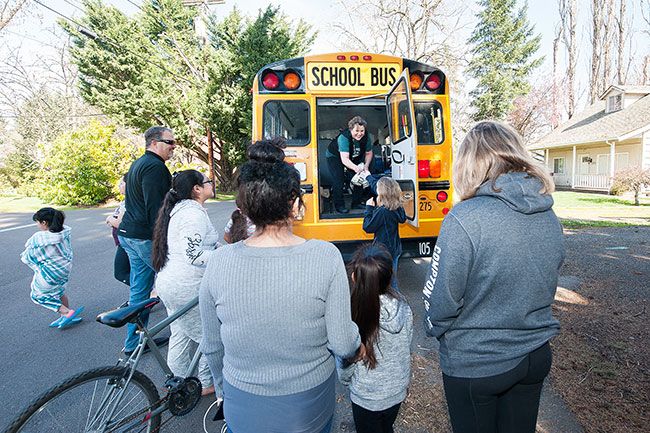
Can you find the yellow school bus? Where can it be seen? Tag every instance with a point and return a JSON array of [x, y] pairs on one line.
[[309, 101]]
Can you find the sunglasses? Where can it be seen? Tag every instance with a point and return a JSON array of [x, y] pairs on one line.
[[170, 142], [207, 181]]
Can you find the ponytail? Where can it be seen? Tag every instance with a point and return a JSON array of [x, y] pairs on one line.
[[182, 187], [371, 271], [53, 217]]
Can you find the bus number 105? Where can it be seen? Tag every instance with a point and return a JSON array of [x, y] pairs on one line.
[[425, 248]]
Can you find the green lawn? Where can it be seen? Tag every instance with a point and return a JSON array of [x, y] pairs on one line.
[[22, 204], [580, 209]]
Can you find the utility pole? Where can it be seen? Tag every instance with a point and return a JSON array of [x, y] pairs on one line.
[[202, 34]]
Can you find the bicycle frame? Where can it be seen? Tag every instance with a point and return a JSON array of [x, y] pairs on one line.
[[146, 340]]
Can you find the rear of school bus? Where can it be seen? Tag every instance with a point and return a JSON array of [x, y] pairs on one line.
[[309, 100]]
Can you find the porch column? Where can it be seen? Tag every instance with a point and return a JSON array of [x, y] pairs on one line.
[[573, 168], [612, 160]]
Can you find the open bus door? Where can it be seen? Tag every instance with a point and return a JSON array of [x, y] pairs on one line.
[[403, 140]]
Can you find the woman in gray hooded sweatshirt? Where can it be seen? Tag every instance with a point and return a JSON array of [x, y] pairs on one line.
[[492, 281]]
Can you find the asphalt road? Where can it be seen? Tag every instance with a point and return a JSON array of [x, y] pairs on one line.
[[36, 357]]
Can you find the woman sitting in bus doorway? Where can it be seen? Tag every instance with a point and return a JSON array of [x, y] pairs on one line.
[[348, 154]]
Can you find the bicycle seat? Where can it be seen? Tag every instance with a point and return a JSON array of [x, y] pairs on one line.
[[123, 315]]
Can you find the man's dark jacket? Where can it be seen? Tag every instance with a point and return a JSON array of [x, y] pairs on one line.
[[147, 182]]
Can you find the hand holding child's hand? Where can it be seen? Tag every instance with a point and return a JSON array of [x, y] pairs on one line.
[[361, 353]]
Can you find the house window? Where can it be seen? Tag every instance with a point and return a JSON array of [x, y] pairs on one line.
[[614, 103], [602, 164], [558, 165]]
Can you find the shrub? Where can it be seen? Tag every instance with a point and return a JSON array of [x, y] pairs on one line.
[[631, 179], [82, 167]]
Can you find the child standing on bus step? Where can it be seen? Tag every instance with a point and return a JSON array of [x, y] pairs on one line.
[[378, 384], [383, 217], [49, 253]]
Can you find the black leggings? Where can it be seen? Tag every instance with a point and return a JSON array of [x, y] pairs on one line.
[[341, 179], [505, 403], [368, 421]]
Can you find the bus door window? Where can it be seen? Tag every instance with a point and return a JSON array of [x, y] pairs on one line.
[[288, 119], [401, 119], [428, 121]]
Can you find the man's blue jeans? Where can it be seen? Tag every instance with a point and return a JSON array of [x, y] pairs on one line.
[[142, 277]]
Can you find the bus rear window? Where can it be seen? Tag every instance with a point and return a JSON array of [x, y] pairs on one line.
[[428, 121], [288, 119]]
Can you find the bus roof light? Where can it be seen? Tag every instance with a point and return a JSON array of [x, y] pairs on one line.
[[367, 58], [270, 80], [433, 81], [416, 79], [423, 168], [442, 196], [291, 80], [354, 57], [340, 57]]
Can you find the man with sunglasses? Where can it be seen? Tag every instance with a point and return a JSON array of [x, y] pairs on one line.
[[147, 183]]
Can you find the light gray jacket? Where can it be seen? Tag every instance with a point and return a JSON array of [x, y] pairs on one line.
[[386, 384]]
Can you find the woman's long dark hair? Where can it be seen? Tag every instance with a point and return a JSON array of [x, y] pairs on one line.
[[53, 217], [183, 184], [371, 271]]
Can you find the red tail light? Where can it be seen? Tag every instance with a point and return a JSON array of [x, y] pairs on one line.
[[423, 168], [270, 80], [433, 81], [445, 211], [442, 196]]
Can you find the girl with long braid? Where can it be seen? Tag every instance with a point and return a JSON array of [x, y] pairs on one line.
[[183, 240]]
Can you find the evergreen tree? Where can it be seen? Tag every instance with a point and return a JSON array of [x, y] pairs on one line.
[[152, 68], [503, 57]]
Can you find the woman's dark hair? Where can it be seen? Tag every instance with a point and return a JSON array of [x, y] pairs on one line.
[[53, 217], [370, 271], [268, 186], [267, 150], [183, 184], [239, 228]]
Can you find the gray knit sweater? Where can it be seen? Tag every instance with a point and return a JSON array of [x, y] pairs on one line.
[[386, 384], [272, 317]]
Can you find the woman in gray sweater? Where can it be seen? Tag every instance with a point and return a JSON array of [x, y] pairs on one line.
[[275, 309], [491, 284]]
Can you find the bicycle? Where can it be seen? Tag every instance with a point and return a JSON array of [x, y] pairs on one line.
[[119, 398]]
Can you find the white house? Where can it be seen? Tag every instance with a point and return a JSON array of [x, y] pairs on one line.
[[610, 135]]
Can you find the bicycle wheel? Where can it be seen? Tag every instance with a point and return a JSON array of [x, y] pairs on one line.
[[85, 402]]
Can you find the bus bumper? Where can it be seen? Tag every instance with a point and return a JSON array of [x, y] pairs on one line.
[[411, 247]]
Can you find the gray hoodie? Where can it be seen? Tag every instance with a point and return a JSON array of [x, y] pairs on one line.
[[386, 384], [493, 278]]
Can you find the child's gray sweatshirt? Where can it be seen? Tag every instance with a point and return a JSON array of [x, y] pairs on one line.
[[493, 278], [386, 384]]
